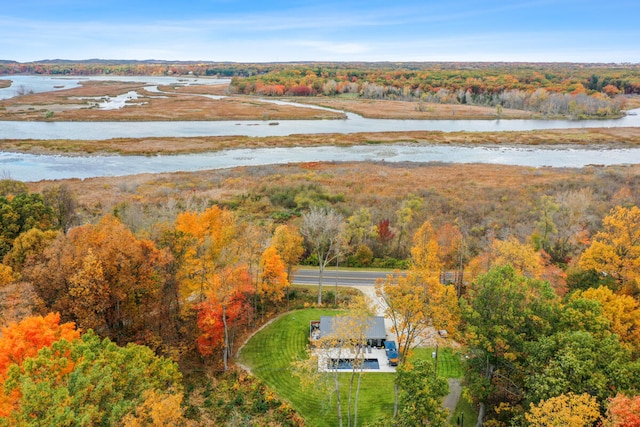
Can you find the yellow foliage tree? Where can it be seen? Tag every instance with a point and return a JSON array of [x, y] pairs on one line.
[[26, 245], [425, 253], [522, 257], [575, 410], [90, 293], [6, 275], [158, 410], [615, 250], [405, 304], [425, 267], [290, 246], [211, 248], [622, 311], [273, 277]]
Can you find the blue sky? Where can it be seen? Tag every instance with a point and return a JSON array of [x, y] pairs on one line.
[[282, 30]]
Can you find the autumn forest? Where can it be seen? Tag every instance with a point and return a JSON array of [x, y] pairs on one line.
[[138, 300]]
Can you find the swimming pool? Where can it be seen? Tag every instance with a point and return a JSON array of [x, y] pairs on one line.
[[348, 364]]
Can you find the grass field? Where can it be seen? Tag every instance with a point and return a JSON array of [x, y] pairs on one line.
[[271, 352], [465, 414]]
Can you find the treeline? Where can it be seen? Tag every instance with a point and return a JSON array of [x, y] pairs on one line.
[[132, 68], [568, 91], [574, 90], [560, 78], [399, 79]]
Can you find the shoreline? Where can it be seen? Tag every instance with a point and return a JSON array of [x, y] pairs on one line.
[[583, 138]]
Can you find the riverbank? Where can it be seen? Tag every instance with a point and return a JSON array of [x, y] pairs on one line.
[[595, 137], [91, 103]]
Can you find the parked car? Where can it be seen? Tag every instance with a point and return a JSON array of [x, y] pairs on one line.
[[392, 352]]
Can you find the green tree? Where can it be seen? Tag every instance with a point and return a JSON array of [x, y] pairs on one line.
[[21, 213], [11, 187], [87, 382], [421, 394], [579, 362], [359, 228], [405, 216], [29, 244], [546, 228], [502, 311]]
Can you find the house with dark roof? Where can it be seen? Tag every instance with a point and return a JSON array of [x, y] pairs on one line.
[[375, 333]]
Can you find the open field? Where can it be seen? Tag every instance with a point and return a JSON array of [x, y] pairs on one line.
[[604, 137], [385, 109], [632, 102], [271, 352], [483, 195], [81, 104]]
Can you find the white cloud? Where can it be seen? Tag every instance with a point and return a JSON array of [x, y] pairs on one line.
[[329, 35]]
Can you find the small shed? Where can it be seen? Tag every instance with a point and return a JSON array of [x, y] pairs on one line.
[[375, 335]]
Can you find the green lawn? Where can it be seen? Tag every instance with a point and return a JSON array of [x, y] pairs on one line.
[[271, 352], [470, 412], [449, 364]]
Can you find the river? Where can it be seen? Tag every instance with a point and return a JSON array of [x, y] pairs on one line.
[[256, 128], [28, 167]]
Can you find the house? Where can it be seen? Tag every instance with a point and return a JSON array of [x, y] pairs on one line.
[[375, 333]]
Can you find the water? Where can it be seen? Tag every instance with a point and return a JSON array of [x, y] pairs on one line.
[[29, 167], [353, 124], [257, 128], [348, 364], [25, 84], [39, 84]]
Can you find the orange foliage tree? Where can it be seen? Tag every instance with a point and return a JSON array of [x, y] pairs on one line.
[[623, 411], [450, 241], [21, 340], [226, 309], [102, 277]]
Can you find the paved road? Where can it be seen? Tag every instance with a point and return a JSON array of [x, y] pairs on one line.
[[306, 276]]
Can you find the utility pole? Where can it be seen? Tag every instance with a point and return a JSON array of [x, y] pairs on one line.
[[337, 266], [435, 356]]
